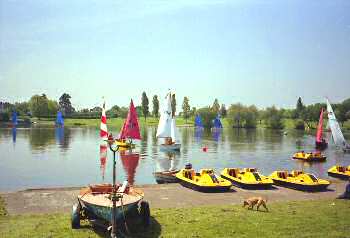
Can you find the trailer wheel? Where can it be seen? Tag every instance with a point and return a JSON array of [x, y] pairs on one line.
[[145, 213], [75, 217]]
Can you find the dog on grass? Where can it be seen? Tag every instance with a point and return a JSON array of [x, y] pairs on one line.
[[258, 201]]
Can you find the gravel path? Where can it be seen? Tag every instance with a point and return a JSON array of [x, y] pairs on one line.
[[39, 201]]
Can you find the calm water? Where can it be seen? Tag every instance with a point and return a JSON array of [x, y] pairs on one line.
[[51, 157]]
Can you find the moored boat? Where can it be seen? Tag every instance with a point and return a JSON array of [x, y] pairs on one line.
[[341, 172], [337, 134], [204, 181], [310, 156], [130, 129], [166, 176], [248, 178], [320, 142], [167, 126], [299, 180]]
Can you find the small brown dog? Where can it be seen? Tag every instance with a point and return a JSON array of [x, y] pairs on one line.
[[258, 201]]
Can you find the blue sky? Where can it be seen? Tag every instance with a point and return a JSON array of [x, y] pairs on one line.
[[254, 52]]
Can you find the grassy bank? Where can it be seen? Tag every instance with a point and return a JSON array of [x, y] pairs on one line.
[[320, 218]]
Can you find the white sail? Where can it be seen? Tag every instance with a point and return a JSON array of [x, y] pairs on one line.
[[335, 128], [174, 132], [164, 126]]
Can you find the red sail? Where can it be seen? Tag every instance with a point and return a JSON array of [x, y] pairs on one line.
[[319, 128], [130, 163], [131, 128]]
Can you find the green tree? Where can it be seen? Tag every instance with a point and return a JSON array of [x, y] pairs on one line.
[[138, 110], [207, 115], [273, 118], [223, 110], [22, 108], [235, 115], [144, 105], [65, 105], [216, 106], [52, 107], [38, 105], [340, 113], [299, 108], [155, 110], [186, 109], [173, 105]]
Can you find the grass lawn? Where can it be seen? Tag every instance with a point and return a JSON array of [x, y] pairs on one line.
[[320, 218]]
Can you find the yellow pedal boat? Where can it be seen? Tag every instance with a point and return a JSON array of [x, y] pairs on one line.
[[299, 180], [248, 178], [310, 156], [125, 144], [341, 172], [205, 181]]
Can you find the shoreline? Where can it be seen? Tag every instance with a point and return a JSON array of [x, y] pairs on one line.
[[61, 199]]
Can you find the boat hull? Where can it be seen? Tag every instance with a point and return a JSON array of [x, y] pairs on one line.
[[166, 177], [171, 147], [339, 175], [125, 145], [104, 213], [248, 185], [312, 159], [205, 189], [301, 187]]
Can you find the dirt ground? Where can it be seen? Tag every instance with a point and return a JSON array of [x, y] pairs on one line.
[[34, 201]]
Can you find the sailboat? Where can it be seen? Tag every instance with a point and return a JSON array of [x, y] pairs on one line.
[[103, 142], [216, 123], [59, 119], [337, 134], [321, 143], [130, 129], [198, 122], [167, 126]]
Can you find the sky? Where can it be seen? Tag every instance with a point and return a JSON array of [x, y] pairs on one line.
[[254, 52]]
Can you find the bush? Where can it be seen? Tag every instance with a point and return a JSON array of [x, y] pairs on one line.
[[299, 124], [4, 117]]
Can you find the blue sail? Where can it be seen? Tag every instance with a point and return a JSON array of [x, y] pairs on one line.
[[198, 121], [14, 119], [217, 123], [59, 119]]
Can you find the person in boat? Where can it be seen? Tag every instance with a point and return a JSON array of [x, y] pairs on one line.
[[346, 194], [168, 141]]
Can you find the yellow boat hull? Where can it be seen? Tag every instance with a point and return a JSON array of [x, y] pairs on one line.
[[340, 172], [125, 144], [247, 178], [312, 157]]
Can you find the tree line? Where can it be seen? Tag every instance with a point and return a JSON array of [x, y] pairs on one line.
[[237, 115]]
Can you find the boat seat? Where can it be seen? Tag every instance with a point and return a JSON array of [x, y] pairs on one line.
[[250, 170], [295, 173], [232, 172], [101, 188], [341, 169], [189, 174], [283, 174]]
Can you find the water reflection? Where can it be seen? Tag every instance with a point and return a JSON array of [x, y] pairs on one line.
[[198, 133], [103, 158], [41, 138], [130, 161], [14, 134], [166, 167], [216, 134]]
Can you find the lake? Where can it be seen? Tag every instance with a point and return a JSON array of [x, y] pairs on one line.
[[53, 157]]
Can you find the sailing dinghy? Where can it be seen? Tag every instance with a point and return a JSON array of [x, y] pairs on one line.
[[167, 127], [337, 134], [130, 129], [321, 143]]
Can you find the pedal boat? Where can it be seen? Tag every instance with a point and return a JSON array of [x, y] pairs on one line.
[[310, 156], [248, 178], [341, 172], [124, 144], [299, 180], [95, 204], [205, 181]]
